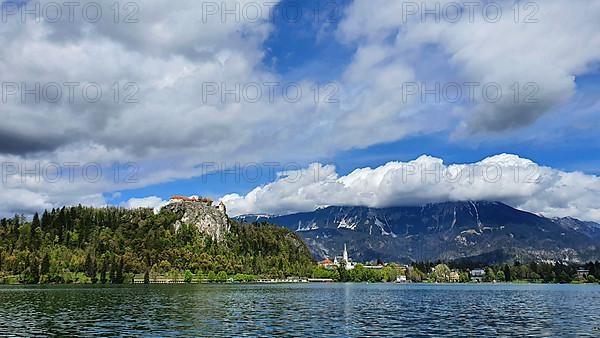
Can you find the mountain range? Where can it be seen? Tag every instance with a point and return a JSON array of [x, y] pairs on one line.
[[487, 232]]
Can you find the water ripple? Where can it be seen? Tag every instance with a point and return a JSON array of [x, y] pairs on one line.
[[313, 310]]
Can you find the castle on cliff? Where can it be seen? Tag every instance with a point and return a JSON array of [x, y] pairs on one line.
[[195, 199]]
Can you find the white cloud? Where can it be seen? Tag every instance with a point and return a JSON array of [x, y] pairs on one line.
[[152, 202], [506, 178], [563, 44]]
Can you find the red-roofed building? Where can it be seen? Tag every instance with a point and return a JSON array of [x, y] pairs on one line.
[[191, 199], [183, 198], [326, 263]]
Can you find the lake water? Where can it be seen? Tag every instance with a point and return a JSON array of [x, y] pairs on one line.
[[310, 310]]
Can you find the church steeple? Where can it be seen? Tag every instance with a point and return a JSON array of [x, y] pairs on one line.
[[345, 255]]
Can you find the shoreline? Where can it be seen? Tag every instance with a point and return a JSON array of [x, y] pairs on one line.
[[282, 282]]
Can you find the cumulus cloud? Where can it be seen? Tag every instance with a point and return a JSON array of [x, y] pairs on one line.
[[506, 178], [542, 48]]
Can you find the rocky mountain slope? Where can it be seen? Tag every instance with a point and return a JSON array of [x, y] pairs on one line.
[[491, 232], [210, 220]]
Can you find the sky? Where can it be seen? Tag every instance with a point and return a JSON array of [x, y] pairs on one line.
[[286, 106]]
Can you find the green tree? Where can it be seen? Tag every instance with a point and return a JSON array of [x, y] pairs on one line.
[[34, 235], [32, 275], [187, 276], [490, 275], [342, 272], [390, 273], [211, 276], [45, 265], [90, 267], [563, 277], [112, 275], [441, 273], [321, 272], [119, 274], [500, 276], [464, 277], [507, 274], [103, 271], [415, 275], [222, 276]]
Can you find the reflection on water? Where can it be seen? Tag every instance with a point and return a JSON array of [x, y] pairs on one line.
[[302, 310]]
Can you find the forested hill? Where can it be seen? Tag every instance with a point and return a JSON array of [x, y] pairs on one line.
[[81, 244]]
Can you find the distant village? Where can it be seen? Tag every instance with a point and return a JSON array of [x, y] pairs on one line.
[[460, 273]]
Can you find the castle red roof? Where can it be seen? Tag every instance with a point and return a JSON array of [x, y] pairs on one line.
[[183, 198], [192, 199]]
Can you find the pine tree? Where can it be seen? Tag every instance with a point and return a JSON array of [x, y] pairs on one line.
[[59, 225], [507, 275], [113, 272], [343, 272], [119, 275], [103, 271], [45, 267], [90, 268], [46, 221], [34, 241], [34, 270]]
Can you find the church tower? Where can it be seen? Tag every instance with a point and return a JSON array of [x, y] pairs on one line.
[[345, 256]]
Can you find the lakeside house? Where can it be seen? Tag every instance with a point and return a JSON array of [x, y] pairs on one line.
[[583, 273], [327, 263], [401, 279], [454, 277], [477, 275]]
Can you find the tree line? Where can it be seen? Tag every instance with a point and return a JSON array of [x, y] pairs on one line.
[[536, 272], [360, 273], [430, 272]]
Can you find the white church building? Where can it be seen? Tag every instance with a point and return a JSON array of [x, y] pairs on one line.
[[344, 258]]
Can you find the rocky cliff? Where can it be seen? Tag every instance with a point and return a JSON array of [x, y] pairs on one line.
[[210, 220]]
